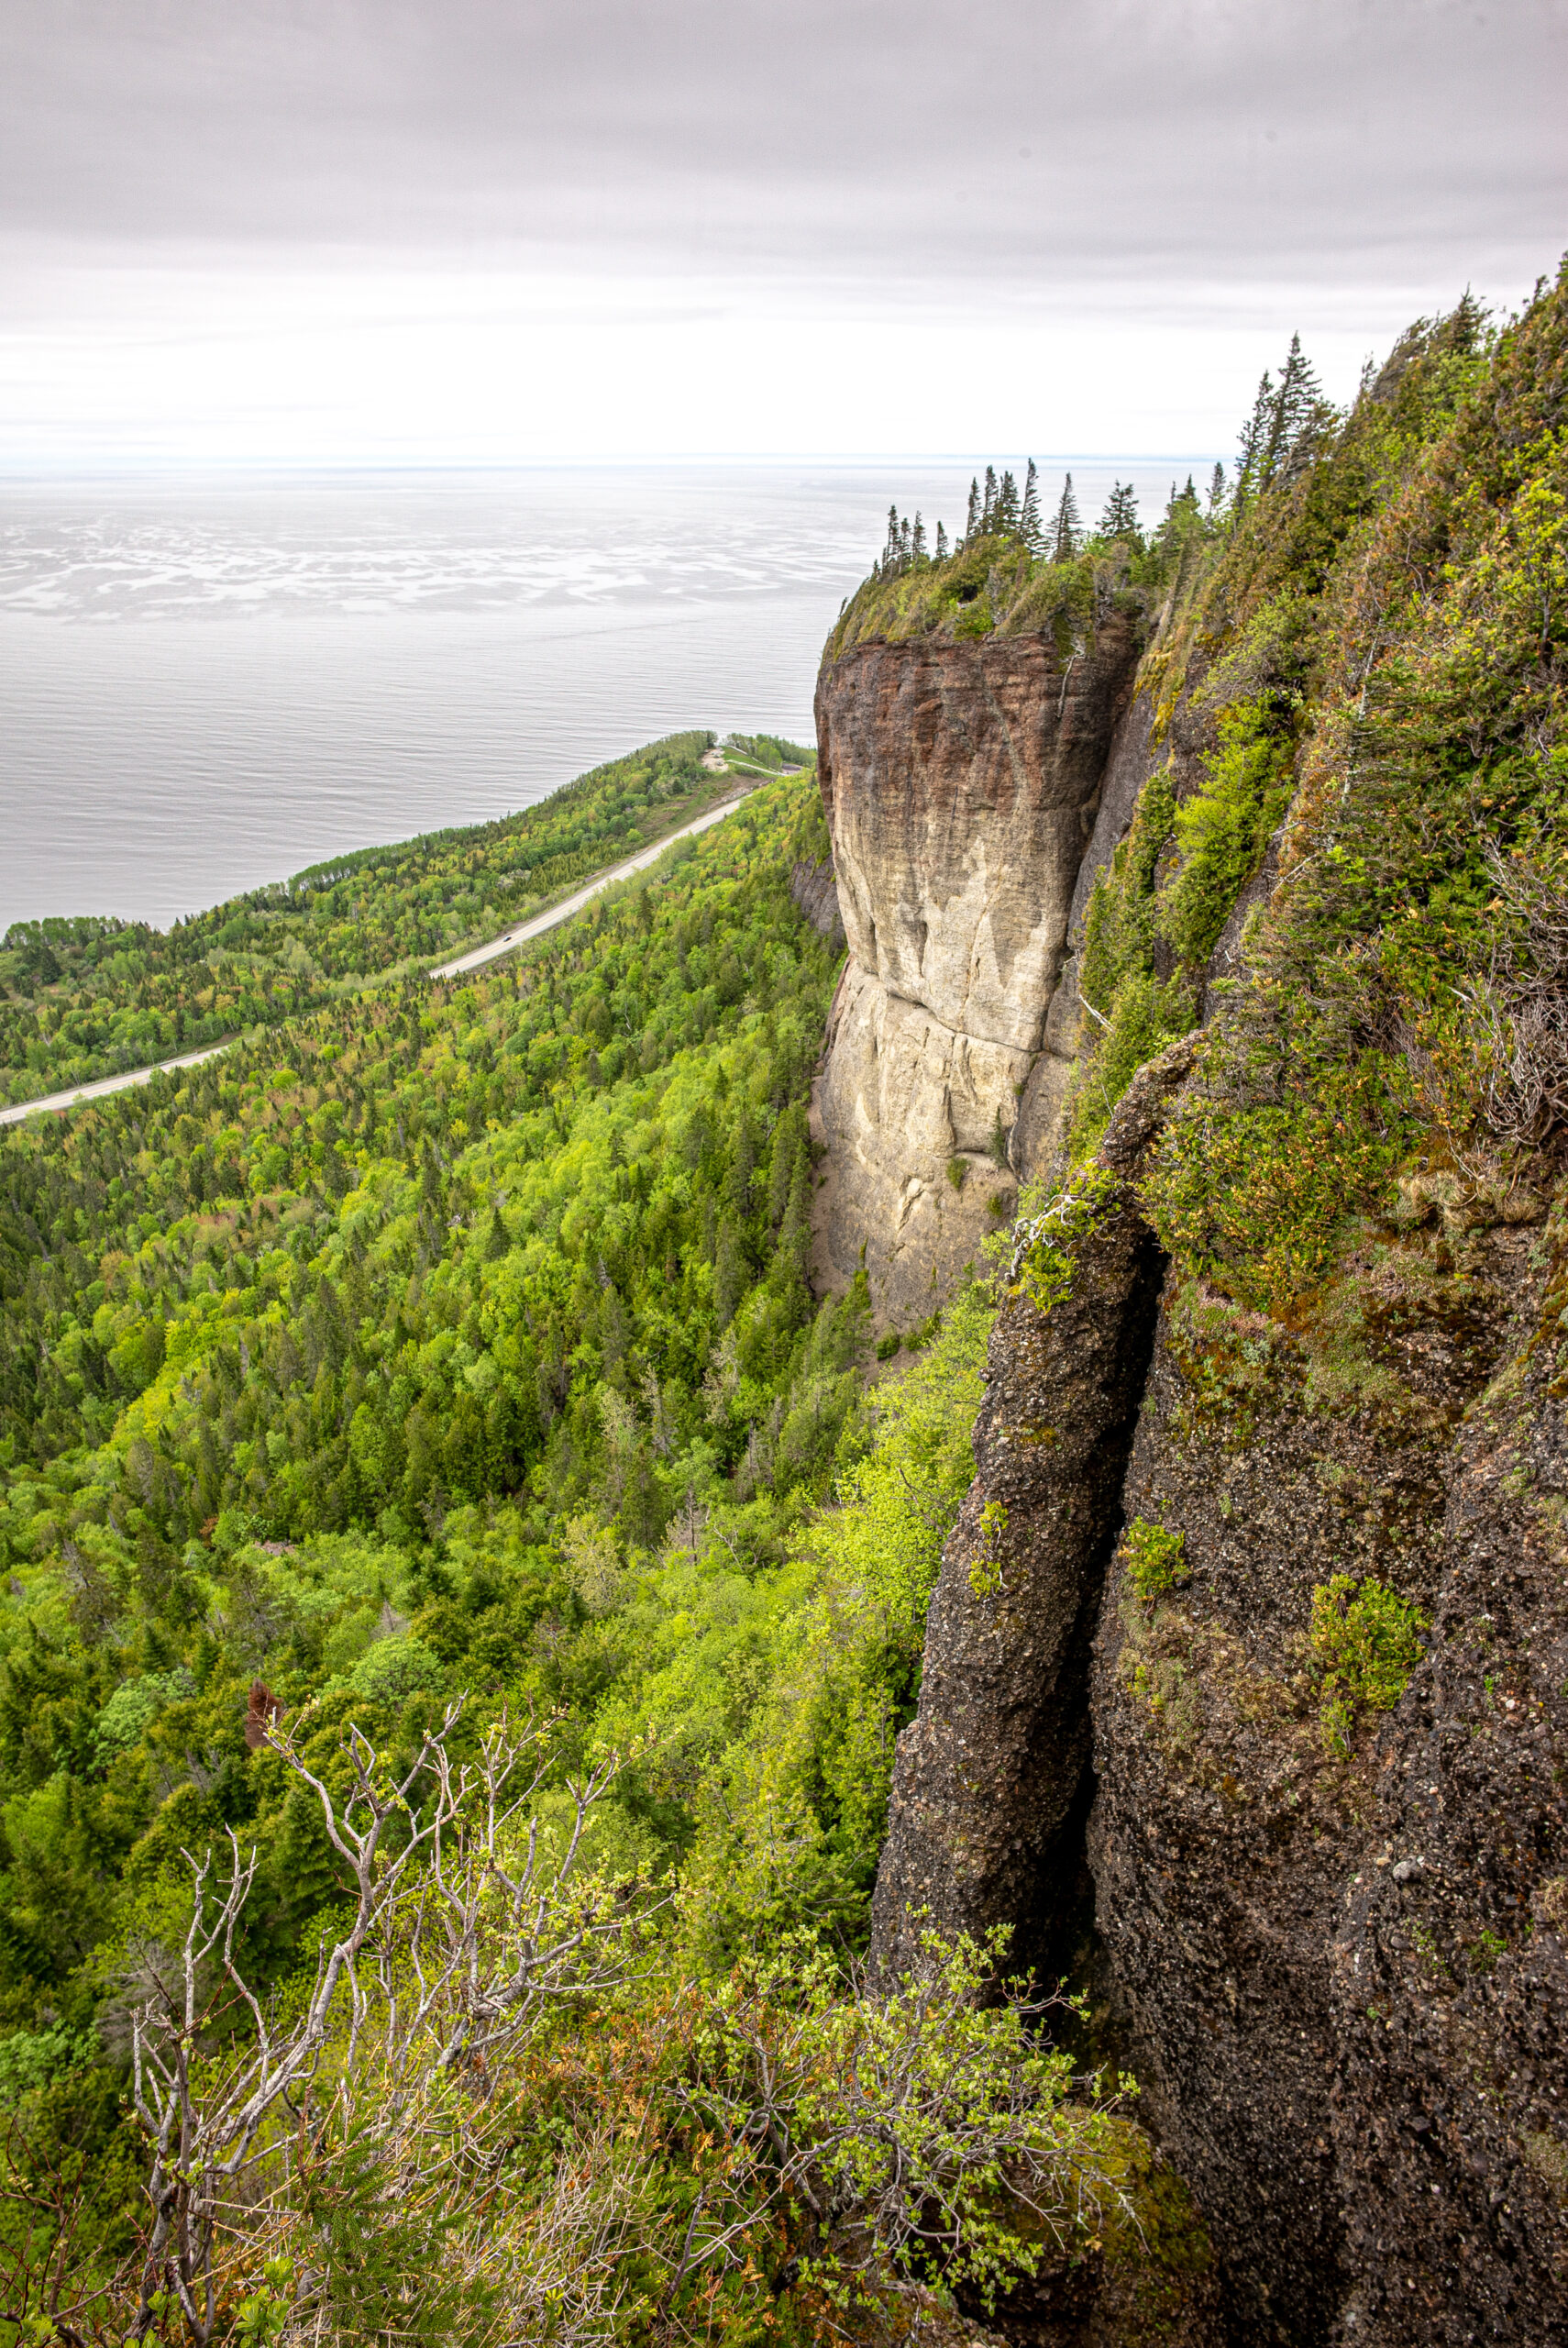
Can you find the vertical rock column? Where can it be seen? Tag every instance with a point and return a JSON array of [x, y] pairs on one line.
[[961, 781], [990, 1771]]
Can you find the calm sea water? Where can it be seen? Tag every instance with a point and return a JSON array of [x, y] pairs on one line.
[[208, 686]]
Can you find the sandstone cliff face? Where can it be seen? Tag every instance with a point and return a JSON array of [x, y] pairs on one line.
[[962, 781]]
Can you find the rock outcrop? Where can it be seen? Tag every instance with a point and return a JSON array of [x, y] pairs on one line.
[[962, 781], [990, 1770], [814, 889], [1342, 1977], [1343, 1971]]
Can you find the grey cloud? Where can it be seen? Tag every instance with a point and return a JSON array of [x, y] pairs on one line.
[[1040, 144]]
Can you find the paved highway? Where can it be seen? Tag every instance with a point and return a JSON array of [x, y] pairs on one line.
[[519, 935]]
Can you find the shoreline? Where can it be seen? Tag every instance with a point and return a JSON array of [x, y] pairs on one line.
[[98, 1087]]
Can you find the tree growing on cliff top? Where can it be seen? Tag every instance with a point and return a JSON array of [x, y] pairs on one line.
[[972, 518], [1068, 529], [1288, 421], [1029, 527], [1119, 520]]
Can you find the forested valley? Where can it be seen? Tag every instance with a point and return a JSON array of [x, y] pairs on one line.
[[451, 1347]]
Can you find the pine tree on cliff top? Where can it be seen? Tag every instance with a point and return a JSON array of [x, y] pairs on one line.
[[988, 509], [918, 544], [1253, 438], [1119, 520], [1068, 529], [972, 519], [1004, 521], [1278, 437], [941, 542], [1029, 528]]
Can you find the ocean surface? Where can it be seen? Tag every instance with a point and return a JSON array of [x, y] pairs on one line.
[[207, 685]]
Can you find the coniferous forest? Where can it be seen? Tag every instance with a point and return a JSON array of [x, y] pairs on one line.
[[88, 996], [429, 1386]]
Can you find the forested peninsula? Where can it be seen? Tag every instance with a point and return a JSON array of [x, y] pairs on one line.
[[836, 1610], [86, 997]]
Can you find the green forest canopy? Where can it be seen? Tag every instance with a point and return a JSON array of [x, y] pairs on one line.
[[458, 1338], [87, 997]]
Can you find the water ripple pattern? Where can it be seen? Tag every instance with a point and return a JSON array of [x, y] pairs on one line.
[[205, 687]]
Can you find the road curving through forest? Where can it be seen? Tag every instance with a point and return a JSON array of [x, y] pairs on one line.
[[518, 935], [522, 931]]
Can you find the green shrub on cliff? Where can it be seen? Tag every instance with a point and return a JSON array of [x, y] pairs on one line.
[[1043, 1248], [1223, 828], [1365, 1642]]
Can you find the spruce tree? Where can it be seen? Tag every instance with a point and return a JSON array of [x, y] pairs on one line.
[[1004, 522], [989, 510], [1067, 530], [1253, 439], [1216, 491], [890, 551], [1286, 418], [1029, 524], [918, 545], [941, 542], [1119, 520], [972, 519], [1300, 408]]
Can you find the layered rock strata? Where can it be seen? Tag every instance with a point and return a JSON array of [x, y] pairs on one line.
[[962, 781]]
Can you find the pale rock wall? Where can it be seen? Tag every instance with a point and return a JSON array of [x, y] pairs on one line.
[[962, 781]]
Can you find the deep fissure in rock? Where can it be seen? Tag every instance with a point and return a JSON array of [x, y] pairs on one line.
[[992, 1782]]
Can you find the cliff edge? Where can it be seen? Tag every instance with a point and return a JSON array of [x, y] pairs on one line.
[[962, 775], [1253, 1635]]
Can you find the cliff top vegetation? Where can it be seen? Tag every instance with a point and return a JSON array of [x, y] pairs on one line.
[[1010, 574], [1352, 847]]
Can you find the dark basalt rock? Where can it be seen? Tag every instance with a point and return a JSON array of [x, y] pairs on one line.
[[988, 1774]]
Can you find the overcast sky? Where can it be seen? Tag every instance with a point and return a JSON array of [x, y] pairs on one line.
[[497, 230]]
